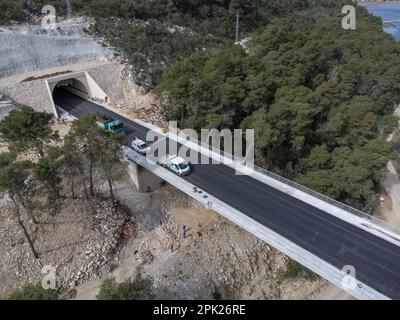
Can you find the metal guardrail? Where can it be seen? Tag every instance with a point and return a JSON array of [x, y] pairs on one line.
[[331, 201], [242, 162], [370, 220], [291, 249]]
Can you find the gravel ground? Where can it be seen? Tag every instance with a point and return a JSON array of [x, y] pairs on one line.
[[215, 257], [80, 241]]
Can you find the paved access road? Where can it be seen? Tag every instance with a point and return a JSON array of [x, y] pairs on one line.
[[377, 261]]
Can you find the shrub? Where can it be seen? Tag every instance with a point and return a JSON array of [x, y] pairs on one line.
[[34, 292]]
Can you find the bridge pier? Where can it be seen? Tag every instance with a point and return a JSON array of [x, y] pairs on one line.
[[143, 179]]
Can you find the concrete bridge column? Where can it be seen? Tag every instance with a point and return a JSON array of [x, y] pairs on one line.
[[144, 180]]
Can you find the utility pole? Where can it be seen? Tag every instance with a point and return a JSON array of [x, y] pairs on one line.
[[69, 9], [237, 27]]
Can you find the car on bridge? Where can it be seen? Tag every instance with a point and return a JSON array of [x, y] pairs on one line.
[[176, 165], [140, 146]]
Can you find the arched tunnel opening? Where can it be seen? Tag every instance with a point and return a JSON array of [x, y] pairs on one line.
[[74, 86], [65, 93]]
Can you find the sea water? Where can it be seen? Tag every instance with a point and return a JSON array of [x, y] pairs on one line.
[[388, 12]]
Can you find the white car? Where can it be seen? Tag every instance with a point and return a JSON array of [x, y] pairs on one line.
[[141, 147], [176, 164]]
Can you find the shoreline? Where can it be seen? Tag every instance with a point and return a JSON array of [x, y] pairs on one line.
[[384, 11], [375, 3]]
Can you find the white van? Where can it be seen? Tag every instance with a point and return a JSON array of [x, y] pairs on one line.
[[140, 146], [176, 164]]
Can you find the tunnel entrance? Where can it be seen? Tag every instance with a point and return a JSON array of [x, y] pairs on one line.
[[72, 85], [65, 94], [62, 90]]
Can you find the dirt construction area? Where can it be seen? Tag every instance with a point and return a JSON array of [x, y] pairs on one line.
[[216, 258]]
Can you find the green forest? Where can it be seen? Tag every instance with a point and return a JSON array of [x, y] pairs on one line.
[[155, 34], [320, 98]]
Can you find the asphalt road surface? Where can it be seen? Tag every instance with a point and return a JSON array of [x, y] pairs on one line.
[[377, 262]]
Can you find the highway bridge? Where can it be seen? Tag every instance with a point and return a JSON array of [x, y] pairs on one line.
[[316, 233]]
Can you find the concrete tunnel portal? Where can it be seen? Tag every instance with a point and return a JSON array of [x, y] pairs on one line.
[[80, 84], [83, 85]]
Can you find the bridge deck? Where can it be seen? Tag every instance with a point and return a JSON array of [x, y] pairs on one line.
[[335, 241]]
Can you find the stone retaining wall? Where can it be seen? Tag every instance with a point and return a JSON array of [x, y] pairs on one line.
[[32, 93], [35, 93]]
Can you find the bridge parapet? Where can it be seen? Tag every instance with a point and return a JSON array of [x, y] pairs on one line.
[[342, 211], [244, 167], [326, 270]]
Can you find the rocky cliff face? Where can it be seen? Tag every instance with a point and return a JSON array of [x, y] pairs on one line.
[[34, 48]]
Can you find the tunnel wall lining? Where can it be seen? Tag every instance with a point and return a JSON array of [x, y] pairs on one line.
[[84, 80]]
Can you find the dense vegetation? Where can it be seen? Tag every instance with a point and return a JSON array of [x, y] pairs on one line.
[[319, 98], [153, 35], [35, 186], [296, 270], [137, 288], [206, 16], [152, 48], [34, 292]]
